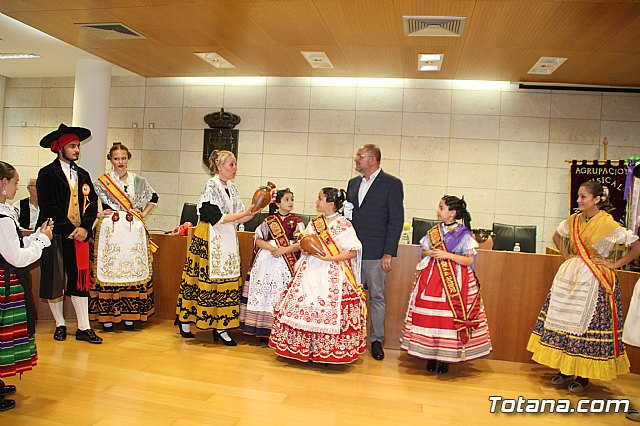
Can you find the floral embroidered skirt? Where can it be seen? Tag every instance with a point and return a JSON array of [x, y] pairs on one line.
[[208, 303], [590, 355], [341, 348], [429, 332], [17, 349], [121, 303]]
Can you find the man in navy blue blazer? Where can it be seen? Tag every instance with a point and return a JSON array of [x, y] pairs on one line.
[[378, 217]]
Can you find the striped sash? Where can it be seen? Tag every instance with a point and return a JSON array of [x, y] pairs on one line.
[[277, 232]]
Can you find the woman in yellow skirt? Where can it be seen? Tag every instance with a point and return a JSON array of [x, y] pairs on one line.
[[209, 295], [579, 329]]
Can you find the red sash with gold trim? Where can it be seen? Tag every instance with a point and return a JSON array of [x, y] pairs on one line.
[[277, 232], [605, 276], [320, 225], [463, 320], [121, 197]]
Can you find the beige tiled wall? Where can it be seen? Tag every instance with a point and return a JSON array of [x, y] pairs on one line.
[[500, 147]]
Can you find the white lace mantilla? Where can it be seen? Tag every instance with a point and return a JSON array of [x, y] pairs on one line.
[[138, 190], [224, 257]]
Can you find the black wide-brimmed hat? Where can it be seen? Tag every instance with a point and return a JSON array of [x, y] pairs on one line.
[[63, 130]]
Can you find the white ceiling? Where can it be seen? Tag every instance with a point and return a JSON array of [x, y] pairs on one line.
[[57, 58]]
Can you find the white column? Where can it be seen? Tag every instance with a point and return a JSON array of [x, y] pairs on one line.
[[3, 83], [91, 110]]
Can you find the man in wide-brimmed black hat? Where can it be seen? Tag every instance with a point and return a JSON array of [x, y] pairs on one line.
[[66, 195]]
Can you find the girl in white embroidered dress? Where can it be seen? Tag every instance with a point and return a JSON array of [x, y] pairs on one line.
[[320, 317], [272, 266]]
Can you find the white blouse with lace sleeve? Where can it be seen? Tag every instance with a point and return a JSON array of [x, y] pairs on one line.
[[10, 244]]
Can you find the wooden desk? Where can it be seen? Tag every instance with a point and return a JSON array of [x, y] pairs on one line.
[[167, 271], [513, 286]]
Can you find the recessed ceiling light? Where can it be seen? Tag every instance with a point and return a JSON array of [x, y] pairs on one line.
[[317, 59], [429, 57], [546, 65], [215, 60], [18, 55], [430, 61]]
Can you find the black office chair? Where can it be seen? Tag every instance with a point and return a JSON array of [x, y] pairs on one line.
[[305, 218], [189, 214], [506, 237], [254, 222], [420, 228]]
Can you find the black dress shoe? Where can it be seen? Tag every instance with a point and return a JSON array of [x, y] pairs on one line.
[[7, 404], [88, 335], [184, 334], [107, 328], [129, 327], [376, 351], [6, 390], [218, 336], [60, 334], [432, 365]]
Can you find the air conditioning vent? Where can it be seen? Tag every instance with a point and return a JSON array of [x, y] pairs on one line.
[[113, 31], [434, 26]]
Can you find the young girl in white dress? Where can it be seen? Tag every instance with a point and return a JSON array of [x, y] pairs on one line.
[[276, 253]]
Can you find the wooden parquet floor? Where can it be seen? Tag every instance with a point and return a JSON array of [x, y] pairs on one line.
[[152, 376]]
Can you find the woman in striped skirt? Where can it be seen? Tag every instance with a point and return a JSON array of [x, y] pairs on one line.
[[447, 324], [17, 319]]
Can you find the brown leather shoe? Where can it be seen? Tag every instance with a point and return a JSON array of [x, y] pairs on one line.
[[60, 334], [88, 335]]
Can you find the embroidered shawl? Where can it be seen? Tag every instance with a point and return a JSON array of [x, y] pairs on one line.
[[138, 190], [224, 256]]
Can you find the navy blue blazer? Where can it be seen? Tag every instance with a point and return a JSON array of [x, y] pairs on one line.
[[379, 220]]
